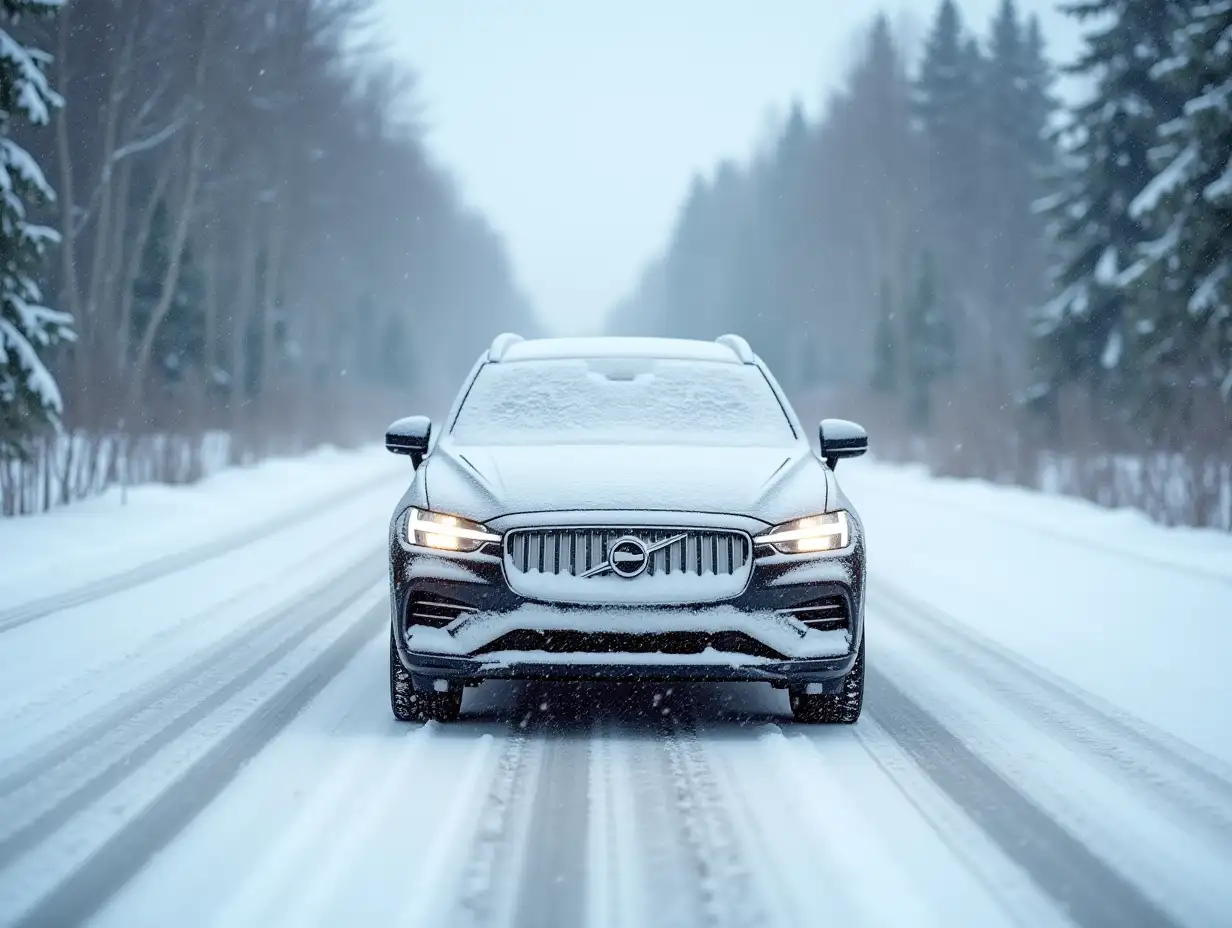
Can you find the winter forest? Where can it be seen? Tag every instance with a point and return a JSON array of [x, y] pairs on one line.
[[221, 237], [994, 282]]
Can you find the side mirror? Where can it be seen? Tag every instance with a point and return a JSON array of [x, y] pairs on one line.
[[409, 436], [841, 439]]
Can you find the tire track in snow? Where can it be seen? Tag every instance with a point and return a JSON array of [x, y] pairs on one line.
[[108, 747], [554, 880], [835, 836], [33, 714], [603, 816], [641, 868], [1191, 783], [320, 828], [795, 793], [489, 873], [641, 863], [727, 882], [614, 893], [1090, 892], [86, 889], [686, 865], [1016, 895], [307, 904], [156, 569]]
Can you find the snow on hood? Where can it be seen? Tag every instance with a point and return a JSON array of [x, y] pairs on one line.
[[773, 484]]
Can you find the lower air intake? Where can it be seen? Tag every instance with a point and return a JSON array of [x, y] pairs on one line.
[[825, 615], [567, 642], [434, 611]]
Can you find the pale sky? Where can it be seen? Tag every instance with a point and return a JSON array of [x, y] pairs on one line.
[[575, 126]]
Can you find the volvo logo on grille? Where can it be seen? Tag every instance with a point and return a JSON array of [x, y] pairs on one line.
[[629, 557]]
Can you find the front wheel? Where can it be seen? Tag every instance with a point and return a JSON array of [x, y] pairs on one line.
[[407, 705], [842, 708]]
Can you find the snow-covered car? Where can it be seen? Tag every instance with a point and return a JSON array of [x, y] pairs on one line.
[[625, 508]]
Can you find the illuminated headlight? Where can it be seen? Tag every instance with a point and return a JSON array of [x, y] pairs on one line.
[[448, 533], [830, 531]]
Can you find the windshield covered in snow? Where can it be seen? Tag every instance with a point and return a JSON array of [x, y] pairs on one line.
[[621, 400]]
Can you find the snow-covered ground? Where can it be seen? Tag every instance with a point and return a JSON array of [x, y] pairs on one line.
[[108, 535], [1136, 614], [194, 730]]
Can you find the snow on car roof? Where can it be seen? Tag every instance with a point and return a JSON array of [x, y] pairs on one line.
[[679, 349]]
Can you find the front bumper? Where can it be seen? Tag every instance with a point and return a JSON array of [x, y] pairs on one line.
[[427, 668], [501, 635]]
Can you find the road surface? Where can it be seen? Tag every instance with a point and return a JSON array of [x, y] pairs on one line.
[[208, 742]]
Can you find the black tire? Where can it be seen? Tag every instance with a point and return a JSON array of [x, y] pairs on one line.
[[407, 705], [442, 707], [841, 708]]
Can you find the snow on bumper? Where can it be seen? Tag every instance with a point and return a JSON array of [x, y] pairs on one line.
[[780, 633]]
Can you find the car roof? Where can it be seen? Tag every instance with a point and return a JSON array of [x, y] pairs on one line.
[[682, 349]]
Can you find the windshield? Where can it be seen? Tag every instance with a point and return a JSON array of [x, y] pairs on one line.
[[621, 401]]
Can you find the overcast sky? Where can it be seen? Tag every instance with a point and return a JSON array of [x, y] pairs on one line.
[[576, 125]]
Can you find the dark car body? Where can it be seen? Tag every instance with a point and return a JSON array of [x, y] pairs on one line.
[[624, 560]]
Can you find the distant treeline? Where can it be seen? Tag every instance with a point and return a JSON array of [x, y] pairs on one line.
[[989, 275], [247, 235]]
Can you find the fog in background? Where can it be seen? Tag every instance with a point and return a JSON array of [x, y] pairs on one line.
[[577, 127], [996, 231]]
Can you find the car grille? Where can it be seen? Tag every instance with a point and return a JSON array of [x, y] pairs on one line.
[[574, 552], [827, 614], [684, 566]]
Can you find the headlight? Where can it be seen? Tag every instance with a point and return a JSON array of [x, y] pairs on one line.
[[830, 531], [449, 533]]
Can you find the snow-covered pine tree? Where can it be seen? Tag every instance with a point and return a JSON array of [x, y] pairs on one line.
[[29, 396], [1081, 333], [1018, 108], [947, 104], [1180, 287]]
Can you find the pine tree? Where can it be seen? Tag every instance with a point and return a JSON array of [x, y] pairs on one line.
[[880, 163], [947, 103], [1180, 288], [29, 396], [1017, 108], [885, 347], [929, 346], [1083, 331], [1037, 102]]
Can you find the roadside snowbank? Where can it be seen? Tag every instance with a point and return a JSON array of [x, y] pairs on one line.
[[44, 554], [1136, 613]]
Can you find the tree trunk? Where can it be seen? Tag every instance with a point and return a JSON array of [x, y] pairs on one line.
[[179, 238], [103, 232], [209, 265], [266, 388], [68, 241], [245, 298], [133, 268]]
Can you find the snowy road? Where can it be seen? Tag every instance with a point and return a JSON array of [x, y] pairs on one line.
[[210, 744]]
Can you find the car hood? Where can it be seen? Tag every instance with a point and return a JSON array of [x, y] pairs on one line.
[[772, 484]]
